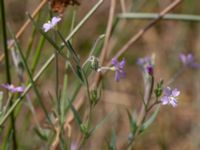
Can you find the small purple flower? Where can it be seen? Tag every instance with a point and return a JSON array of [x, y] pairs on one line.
[[188, 60], [170, 96], [147, 64], [13, 89], [144, 61], [50, 24], [118, 67]]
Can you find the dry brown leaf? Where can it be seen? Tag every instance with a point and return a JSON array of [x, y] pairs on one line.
[[59, 6]]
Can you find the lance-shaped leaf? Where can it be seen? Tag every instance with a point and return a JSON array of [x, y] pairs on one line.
[[75, 113], [132, 122], [112, 144], [151, 119]]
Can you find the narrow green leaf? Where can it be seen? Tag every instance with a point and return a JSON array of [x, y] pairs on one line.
[[37, 53], [150, 120], [132, 122], [97, 45], [63, 98], [79, 73], [112, 145], [75, 113], [101, 122], [70, 48]]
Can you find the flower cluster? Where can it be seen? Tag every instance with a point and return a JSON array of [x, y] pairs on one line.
[[51, 24]]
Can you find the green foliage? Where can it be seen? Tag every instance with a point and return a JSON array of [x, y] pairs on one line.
[[159, 89]]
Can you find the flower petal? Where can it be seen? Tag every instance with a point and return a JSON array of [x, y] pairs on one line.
[[117, 76], [164, 100], [167, 91], [13, 89], [47, 27], [173, 102], [175, 93], [182, 58], [114, 62], [19, 89], [55, 20], [140, 61], [190, 58], [122, 63]]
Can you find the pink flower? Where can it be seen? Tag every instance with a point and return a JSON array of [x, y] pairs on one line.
[[13, 89], [170, 96], [50, 24]]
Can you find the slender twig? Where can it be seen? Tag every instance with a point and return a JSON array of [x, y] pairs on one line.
[[108, 30]]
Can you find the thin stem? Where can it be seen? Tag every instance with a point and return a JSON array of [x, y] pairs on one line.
[[182, 17], [8, 75]]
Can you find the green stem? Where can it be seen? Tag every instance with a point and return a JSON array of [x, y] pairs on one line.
[[37, 54], [181, 17], [3, 16]]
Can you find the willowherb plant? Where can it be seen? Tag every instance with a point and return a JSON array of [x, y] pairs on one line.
[[79, 85]]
